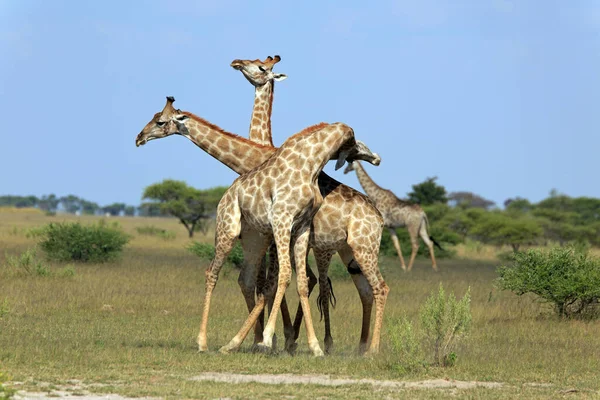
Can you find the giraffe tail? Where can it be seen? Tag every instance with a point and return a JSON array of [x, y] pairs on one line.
[[431, 237], [436, 243], [332, 299]]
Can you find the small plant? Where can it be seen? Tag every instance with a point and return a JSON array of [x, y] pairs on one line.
[[68, 271], [406, 346], [207, 252], [567, 277], [4, 308], [35, 232], [151, 230], [28, 263], [5, 392], [446, 321], [76, 242]]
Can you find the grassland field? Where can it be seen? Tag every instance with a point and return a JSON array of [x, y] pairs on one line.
[[129, 327]]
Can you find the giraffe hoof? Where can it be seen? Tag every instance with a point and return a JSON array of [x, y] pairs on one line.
[[261, 348], [227, 349], [291, 348]]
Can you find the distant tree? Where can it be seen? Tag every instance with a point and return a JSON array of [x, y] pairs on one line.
[[428, 192], [48, 203], [89, 207], [186, 203], [469, 200], [114, 209], [151, 210], [70, 203], [501, 229], [129, 211], [18, 201], [518, 204]]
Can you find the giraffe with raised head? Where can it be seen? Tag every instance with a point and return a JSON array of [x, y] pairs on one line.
[[347, 220], [260, 74], [397, 213]]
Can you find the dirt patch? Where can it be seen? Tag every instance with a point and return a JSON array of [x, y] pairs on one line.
[[326, 380]]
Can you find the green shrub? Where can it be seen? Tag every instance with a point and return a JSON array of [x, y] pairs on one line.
[[207, 252], [445, 321], [27, 263], [150, 230], [405, 346], [5, 392], [75, 242], [567, 277]]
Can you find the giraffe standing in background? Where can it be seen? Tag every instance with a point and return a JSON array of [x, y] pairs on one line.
[[347, 221], [397, 213]]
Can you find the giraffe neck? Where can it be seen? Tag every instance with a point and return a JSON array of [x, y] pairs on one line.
[[319, 144], [236, 152], [260, 124], [370, 187]]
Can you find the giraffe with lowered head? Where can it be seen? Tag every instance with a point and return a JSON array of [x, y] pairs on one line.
[[278, 199], [241, 155], [338, 205], [397, 213]]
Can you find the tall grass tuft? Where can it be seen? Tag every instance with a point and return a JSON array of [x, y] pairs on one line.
[[445, 321]]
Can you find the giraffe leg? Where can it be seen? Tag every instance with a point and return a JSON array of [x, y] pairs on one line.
[[414, 246], [364, 291], [226, 234], [425, 236], [254, 247], [288, 329], [282, 235], [367, 259], [397, 246], [300, 250], [323, 259], [312, 281], [266, 291]]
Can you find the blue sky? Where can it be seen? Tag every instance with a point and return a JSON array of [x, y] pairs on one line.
[[498, 97]]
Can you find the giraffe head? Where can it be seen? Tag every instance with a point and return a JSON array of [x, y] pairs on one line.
[[162, 125], [259, 72], [349, 167], [357, 151]]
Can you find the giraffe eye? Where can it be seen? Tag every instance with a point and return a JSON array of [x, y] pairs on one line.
[[262, 68], [161, 123]]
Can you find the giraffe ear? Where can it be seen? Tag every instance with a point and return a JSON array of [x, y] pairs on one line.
[[279, 77]]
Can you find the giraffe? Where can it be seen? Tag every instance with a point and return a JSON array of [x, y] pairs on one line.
[[278, 199], [259, 74], [347, 221], [397, 213]]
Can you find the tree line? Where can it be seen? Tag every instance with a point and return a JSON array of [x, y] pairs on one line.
[[455, 217], [460, 216]]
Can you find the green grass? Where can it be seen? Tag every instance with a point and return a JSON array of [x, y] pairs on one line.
[[135, 322]]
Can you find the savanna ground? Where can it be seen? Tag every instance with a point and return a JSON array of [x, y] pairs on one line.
[[129, 328]]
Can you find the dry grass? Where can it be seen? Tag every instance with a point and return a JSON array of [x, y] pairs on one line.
[[133, 324]]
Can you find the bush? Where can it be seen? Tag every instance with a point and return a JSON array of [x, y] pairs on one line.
[[567, 277], [406, 347], [75, 242], [151, 230], [446, 321], [207, 252]]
